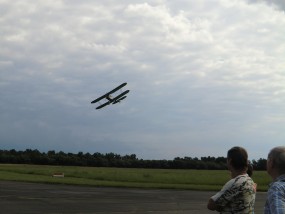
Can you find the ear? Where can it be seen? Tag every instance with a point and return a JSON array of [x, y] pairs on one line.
[[270, 163], [229, 163], [229, 160]]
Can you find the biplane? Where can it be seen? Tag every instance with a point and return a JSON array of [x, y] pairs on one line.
[[110, 99]]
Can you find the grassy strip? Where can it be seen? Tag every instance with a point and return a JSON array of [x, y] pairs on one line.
[[121, 177]]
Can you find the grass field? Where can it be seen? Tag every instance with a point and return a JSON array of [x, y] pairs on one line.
[[122, 177]]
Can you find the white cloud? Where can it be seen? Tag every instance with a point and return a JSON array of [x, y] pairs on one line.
[[214, 66]]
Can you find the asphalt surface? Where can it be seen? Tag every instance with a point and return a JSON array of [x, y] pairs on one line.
[[30, 198]]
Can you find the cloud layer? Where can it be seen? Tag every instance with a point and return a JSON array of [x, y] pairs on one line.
[[203, 76]]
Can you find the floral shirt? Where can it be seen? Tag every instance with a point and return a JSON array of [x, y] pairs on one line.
[[275, 203], [237, 196]]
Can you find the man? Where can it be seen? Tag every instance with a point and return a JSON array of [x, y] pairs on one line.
[[238, 194], [275, 202]]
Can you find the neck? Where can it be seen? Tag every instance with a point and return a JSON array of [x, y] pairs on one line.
[[274, 173], [275, 176], [235, 173]]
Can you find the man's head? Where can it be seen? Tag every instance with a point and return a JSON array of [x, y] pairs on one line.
[[238, 158], [276, 161]]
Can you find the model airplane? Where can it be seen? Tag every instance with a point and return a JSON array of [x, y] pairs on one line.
[[111, 99]]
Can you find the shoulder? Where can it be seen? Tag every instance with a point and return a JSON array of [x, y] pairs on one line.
[[276, 197], [277, 186], [245, 183], [276, 191], [243, 179], [229, 184]]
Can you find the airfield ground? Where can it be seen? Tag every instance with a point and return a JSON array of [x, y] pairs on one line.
[[30, 198]]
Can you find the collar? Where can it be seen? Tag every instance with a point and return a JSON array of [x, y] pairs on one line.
[[281, 178]]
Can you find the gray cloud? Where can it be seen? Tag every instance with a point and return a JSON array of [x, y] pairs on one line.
[[279, 4], [207, 73]]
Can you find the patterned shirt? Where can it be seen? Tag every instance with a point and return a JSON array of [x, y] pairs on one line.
[[237, 196], [275, 202]]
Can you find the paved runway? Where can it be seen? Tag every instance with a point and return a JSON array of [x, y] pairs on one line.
[[30, 198]]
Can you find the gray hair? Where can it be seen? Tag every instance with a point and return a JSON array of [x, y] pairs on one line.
[[277, 155]]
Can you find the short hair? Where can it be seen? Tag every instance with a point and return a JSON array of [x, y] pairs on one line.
[[277, 155], [239, 158]]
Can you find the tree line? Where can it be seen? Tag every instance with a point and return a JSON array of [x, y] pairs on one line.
[[30, 156]]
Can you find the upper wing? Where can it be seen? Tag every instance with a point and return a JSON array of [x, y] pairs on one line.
[[110, 92], [116, 89]]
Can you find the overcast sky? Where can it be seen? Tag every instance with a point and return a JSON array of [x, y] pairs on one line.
[[203, 76]]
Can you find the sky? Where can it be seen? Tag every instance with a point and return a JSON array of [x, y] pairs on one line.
[[203, 76]]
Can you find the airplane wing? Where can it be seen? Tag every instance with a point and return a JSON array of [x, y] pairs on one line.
[[103, 105], [119, 97], [110, 92], [118, 100], [100, 98], [116, 89]]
